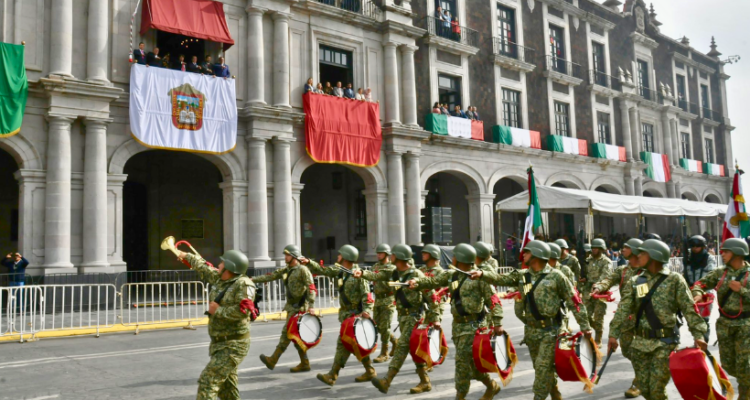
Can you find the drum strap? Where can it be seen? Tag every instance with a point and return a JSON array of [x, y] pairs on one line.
[[302, 299], [456, 295], [646, 305], [725, 298], [342, 294], [400, 294], [531, 301]]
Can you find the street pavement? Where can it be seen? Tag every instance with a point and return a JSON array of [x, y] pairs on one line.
[[166, 364]]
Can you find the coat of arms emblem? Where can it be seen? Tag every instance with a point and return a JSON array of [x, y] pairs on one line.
[[187, 107]]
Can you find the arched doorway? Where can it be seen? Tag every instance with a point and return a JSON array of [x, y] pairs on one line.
[[170, 193], [510, 224], [712, 198], [9, 216], [447, 191]]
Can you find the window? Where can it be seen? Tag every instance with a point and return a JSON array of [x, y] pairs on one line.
[[557, 49], [709, 144], [681, 93], [648, 137], [643, 85], [706, 103], [506, 24], [562, 119], [603, 125], [685, 144], [360, 220], [450, 6], [335, 66], [600, 65], [449, 91], [511, 108]]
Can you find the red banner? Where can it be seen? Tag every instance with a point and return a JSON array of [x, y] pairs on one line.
[[477, 130], [202, 19], [342, 131]]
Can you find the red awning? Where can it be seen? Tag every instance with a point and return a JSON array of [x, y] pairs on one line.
[[202, 19]]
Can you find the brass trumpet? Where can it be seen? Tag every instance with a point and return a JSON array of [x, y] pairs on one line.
[[169, 244]]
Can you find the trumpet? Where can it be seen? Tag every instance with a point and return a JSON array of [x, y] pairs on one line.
[[169, 244]]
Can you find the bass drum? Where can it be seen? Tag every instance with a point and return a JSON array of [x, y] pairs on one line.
[[502, 348], [366, 334], [359, 336], [696, 374], [306, 330], [427, 345], [576, 358]]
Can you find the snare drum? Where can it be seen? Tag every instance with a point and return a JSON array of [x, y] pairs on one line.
[[494, 354], [359, 336], [427, 345], [696, 374], [576, 358], [305, 330]]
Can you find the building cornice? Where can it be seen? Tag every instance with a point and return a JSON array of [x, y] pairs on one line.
[[271, 114], [334, 13], [582, 14], [644, 40], [514, 64], [450, 45], [695, 64], [401, 28], [76, 88]]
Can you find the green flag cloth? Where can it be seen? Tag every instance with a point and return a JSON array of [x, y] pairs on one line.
[[14, 88], [436, 123]]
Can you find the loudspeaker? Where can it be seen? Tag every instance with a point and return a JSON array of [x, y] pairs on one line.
[[331, 243]]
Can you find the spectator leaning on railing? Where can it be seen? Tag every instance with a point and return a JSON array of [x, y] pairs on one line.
[[153, 59], [309, 86], [139, 54], [208, 67], [180, 63], [338, 91], [318, 89], [221, 70], [349, 91], [193, 66], [16, 265]]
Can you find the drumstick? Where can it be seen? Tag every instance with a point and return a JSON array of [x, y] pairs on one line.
[[341, 268], [601, 371], [456, 269], [396, 284]]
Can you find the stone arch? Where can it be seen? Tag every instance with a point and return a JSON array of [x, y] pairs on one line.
[[567, 179], [607, 183], [467, 174], [717, 197], [690, 193], [373, 176], [655, 189], [517, 174], [228, 163], [23, 151]]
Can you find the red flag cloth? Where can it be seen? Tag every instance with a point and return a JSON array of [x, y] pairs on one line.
[[691, 375], [419, 346], [477, 130], [342, 131], [202, 19]]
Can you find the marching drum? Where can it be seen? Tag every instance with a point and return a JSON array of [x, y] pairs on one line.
[[576, 358], [696, 374], [305, 329], [427, 345], [494, 354], [359, 336]]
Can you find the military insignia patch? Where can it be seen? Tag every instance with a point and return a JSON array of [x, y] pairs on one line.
[[641, 290]]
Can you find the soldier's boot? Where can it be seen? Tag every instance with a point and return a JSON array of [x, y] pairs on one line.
[[429, 369], [394, 341], [384, 384], [554, 393], [598, 339], [369, 371], [424, 382], [304, 362], [492, 389], [461, 396], [330, 378], [270, 362], [383, 357], [633, 392]]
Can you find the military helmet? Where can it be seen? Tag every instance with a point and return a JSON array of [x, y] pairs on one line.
[[587, 248], [697, 241], [465, 253], [656, 249], [402, 252], [383, 248], [562, 243], [293, 250], [484, 250], [652, 236], [633, 244], [599, 244], [235, 261], [737, 246], [554, 250], [433, 250], [349, 253], [538, 249]]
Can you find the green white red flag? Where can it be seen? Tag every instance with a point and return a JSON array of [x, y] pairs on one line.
[[736, 224], [534, 212], [14, 88]]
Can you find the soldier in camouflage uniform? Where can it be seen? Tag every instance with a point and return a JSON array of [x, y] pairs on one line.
[[554, 262], [544, 289], [432, 269], [733, 325], [484, 254], [384, 308], [569, 260], [355, 299], [231, 310], [620, 276], [655, 297], [474, 305], [411, 305], [300, 298], [597, 267]]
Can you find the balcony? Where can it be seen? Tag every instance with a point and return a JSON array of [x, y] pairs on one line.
[[513, 56], [365, 8], [648, 93], [603, 84], [453, 37], [563, 71]]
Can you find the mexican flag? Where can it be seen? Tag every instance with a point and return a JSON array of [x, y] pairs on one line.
[[736, 224], [516, 137], [534, 212], [608, 151], [714, 169], [569, 145], [691, 165], [14, 89], [658, 166], [440, 124]]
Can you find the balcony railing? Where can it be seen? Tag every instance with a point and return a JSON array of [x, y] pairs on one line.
[[602, 79], [504, 47], [364, 7], [564, 67], [456, 33], [648, 93], [694, 109], [706, 113], [716, 116]]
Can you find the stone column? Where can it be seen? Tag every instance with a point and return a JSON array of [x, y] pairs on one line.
[[678, 190], [409, 86], [57, 194], [283, 208], [671, 192], [95, 195], [281, 60], [635, 131], [667, 135], [627, 137], [729, 168], [257, 201], [98, 42], [29, 181], [61, 38], [395, 199], [413, 200], [638, 186], [376, 220], [391, 82], [481, 217], [629, 186], [114, 226], [255, 57], [235, 220], [674, 132]]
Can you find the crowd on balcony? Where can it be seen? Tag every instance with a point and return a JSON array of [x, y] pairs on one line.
[[207, 67], [338, 91], [447, 26], [470, 113]]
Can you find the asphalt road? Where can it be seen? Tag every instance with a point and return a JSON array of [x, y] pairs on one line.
[[166, 364]]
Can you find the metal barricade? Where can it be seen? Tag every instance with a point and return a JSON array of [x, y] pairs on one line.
[[150, 303], [20, 311], [78, 306]]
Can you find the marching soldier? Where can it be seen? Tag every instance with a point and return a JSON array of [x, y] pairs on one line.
[[231, 309], [655, 297], [597, 267], [432, 269], [697, 266], [300, 298], [543, 315], [484, 254], [474, 305], [569, 260], [733, 325], [620, 276], [410, 304], [554, 262], [384, 308], [355, 299], [493, 262]]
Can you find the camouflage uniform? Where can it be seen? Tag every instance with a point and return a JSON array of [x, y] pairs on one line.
[[568, 274], [620, 276], [384, 308], [432, 272], [229, 329], [495, 265], [596, 269], [541, 336], [572, 262], [733, 333], [476, 297], [650, 357]]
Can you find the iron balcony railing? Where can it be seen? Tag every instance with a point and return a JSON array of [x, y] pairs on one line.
[[456, 33], [694, 109], [602, 79], [683, 104], [706, 113], [563, 66], [648, 93], [505, 47], [363, 7]]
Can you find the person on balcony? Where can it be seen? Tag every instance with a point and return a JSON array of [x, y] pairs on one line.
[[360, 95], [165, 62], [208, 67], [436, 108], [309, 86], [476, 114], [193, 65], [439, 20], [458, 113], [456, 29], [153, 59], [338, 91], [368, 95], [221, 70], [469, 113], [319, 89], [446, 24], [328, 89], [349, 92], [180, 64], [139, 54], [444, 109]]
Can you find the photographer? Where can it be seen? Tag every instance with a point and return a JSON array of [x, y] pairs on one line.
[[16, 265]]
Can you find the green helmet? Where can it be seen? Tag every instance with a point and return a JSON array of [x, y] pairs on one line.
[[484, 250], [599, 244], [562, 243], [383, 248], [293, 250], [737, 246], [432, 250], [656, 249], [554, 250], [235, 261], [697, 241], [465, 253], [402, 252], [633, 244], [349, 253], [587, 248], [538, 249]]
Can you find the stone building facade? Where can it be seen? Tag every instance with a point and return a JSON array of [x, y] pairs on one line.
[[85, 196]]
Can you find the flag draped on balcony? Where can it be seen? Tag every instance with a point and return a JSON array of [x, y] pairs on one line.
[[569, 145], [440, 124], [516, 137], [608, 151], [736, 224], [658, 166], [691, 165], [14, 88], [534, 212], [714, 169]]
